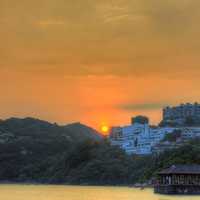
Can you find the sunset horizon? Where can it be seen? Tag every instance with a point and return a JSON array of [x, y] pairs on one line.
[[97, 61], [100, 99]]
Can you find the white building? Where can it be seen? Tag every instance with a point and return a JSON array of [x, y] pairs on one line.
[[141, 138], [190, 132], [183, 114], [135, 138], [138, 138], [116, 136]]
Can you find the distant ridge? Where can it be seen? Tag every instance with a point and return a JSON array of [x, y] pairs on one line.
[[31, 126], [39, 151], [82, 129]]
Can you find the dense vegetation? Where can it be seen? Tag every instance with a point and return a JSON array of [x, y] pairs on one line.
[[37, 151]]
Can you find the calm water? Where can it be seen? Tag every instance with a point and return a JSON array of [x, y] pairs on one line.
[[31, 192]]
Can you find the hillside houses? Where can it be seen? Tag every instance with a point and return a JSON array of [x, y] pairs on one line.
[[138, 138], [141, 138]]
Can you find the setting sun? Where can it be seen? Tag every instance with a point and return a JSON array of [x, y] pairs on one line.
[[104, 129]]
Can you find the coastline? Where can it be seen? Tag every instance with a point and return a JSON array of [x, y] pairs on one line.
[[137, 185]]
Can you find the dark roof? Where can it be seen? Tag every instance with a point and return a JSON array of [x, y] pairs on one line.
[[182, 169]]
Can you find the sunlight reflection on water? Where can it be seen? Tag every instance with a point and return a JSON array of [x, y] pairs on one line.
[[50, 192]]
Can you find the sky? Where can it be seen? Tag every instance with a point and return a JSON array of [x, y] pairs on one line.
[[97, 61]]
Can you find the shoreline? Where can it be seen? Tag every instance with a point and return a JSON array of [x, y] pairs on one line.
[[139, 186]]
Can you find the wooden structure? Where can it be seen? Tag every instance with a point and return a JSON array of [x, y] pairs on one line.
[[179, 179]]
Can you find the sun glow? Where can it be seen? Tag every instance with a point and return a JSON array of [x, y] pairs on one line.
[[104, 129]]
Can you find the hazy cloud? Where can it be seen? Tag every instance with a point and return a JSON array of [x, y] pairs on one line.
[[150, 47], [121, 37], [46, 23], [145, 106]]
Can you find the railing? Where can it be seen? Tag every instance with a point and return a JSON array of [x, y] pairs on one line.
[[177, 184]]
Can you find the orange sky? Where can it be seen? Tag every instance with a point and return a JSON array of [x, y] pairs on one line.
[[97, 61]]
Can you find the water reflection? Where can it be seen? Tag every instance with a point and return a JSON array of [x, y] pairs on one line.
[[50, 192]]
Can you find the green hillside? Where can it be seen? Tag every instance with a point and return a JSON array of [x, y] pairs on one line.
[[32, 150]]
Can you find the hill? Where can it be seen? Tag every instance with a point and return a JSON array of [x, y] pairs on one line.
[[79, 130], [30, 127], [33, 150], [26, 143]]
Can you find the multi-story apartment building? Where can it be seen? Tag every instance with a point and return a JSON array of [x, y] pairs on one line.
[[138, 138], [116, 136], [180, 114], [141, 138]]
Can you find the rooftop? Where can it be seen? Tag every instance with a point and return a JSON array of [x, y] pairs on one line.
[[182, 169]]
